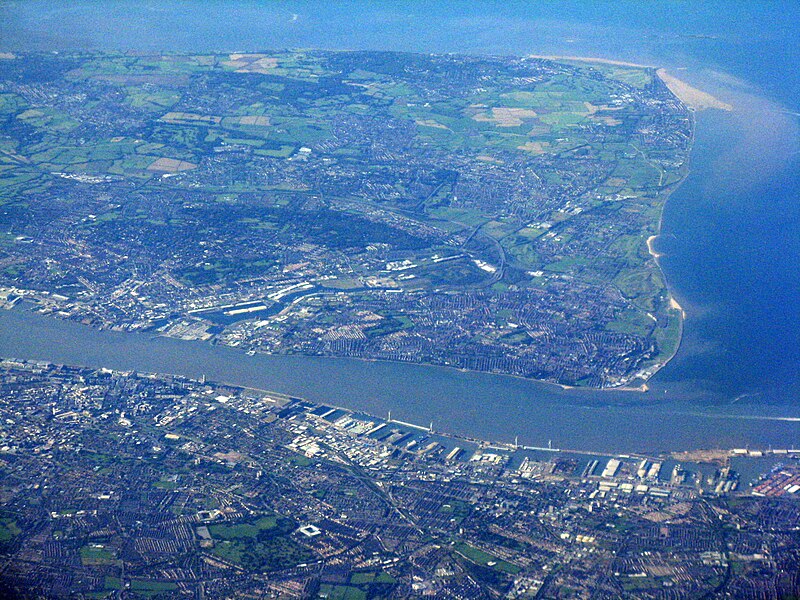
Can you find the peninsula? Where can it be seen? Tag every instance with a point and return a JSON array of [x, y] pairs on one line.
[[486, 213]]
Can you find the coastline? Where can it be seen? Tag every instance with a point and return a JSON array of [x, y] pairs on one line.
[[673, 303], [694, 98], [650, 249], [591, 59]]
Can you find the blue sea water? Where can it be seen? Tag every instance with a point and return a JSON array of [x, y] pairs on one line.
[[730, 235]]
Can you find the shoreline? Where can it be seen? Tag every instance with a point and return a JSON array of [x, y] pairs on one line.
[[650, 249], [705, 455], [30, 308], [694, 98], [673, 303], [691, 96], [590, 59]]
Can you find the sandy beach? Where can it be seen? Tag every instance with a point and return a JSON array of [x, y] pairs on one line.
[[589, 59], [650, 249], [691, 96], [674, 305]]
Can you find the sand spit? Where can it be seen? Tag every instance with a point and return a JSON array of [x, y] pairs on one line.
[[691, 96]]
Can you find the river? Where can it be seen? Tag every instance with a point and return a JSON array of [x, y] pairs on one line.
[[492, 407]]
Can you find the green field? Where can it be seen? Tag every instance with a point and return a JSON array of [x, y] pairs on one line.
[[484, 559], [8, 529], [93, 555], [262, 545], [243, 530], [341, 592]]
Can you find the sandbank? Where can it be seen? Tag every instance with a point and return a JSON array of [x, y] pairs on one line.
[[691, 96]]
